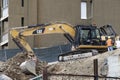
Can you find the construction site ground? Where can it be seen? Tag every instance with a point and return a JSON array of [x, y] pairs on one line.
[[11, 67], [77, 67]]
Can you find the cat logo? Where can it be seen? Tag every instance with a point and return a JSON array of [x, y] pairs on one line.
[[39, 31]]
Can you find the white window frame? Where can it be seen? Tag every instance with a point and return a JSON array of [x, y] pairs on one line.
[[83, 7], [4, 3]]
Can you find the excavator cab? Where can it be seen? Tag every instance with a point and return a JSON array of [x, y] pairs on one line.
[[107, 30], [87, 35]]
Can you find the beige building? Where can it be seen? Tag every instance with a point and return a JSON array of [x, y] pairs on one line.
[[28, 12]]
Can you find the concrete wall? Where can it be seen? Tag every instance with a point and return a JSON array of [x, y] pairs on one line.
[[107, 12], [15, 13], [50, 40], [30, 12], [59, 10]]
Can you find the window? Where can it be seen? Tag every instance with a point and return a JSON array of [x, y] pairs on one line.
[[22, 21], [83, 10], [22, 3], [4, 3]]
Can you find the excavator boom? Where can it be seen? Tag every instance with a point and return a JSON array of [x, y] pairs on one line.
[[20, 41]]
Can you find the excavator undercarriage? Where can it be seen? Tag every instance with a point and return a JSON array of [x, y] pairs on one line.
[[82, 52]]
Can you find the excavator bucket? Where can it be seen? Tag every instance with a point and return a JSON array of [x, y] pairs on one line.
[[29, 67]]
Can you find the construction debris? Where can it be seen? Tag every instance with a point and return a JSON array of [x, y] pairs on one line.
[[4, 77], [12, 69], [81, 67]]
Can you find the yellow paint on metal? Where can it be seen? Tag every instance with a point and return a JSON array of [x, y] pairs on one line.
[[92, 46]]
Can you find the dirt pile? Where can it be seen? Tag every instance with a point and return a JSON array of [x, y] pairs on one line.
[[11, 67], [79, 67]]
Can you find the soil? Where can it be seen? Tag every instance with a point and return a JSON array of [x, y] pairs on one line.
[[80, 67], [77, 67], [11, 67]]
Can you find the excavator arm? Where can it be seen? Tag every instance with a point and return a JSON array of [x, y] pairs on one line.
[[20, 41]]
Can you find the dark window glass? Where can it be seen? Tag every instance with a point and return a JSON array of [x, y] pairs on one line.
[[22, 3], [22, 21]]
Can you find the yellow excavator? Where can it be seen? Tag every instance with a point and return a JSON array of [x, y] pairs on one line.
[[83, 39]]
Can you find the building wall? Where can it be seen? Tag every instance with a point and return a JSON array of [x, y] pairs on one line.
[[60, 10], [45, 11], [107, 12], [31, 12], [15, 13]]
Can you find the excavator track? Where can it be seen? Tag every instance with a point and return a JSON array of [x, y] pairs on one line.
[[77, 54]]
